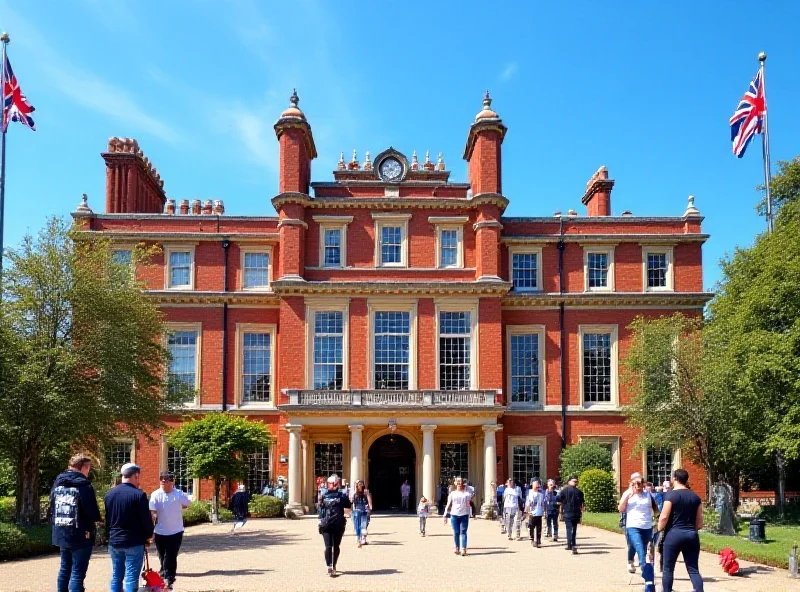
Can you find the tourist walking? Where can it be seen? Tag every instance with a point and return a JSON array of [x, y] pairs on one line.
[[129, 528], [638, 506], [511, 510], [423, 509], [681, 518], [458, 510], [334, 508], [361, 501], [571, 500], [551, 505], [499, 490], [239, 506], [405, 493], [166, 506], [535, 506], [73, 513]]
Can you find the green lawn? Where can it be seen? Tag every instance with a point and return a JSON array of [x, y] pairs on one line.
[[774, 552]]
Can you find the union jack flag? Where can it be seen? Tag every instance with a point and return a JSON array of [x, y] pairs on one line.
[[15, 106], [749, 115]]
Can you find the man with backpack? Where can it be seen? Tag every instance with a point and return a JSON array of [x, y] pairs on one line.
[[74, 512]]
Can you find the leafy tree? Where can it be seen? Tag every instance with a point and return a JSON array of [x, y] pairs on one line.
[[216, 445], [579, 457], [81, 355], [785, 185]]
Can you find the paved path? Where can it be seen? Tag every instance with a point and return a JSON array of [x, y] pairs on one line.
[[288, 556]]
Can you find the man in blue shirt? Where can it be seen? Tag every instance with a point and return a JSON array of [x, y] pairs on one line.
[[129, 527]]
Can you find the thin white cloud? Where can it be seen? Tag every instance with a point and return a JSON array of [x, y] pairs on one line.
[[508, 72]]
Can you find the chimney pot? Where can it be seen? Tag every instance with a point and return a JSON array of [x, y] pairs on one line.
[[208, 207], [196, 207], [184, 207], [219, 208], [571, 212], [170, 207], [557, 213], [627, 213]]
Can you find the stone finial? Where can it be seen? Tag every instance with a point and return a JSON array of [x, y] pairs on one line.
[[184, 208], [170, 207], [367, 162], [341, 164], [83, 207], [414, 162], [690, 209], [293, 110], [486, 112], [197, 207], [440, 163], [354, 166], [428, 166]]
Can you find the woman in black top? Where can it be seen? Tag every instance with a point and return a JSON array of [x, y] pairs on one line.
[[681, 518], [334, 508]]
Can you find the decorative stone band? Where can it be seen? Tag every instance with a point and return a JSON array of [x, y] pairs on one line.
[[381, 202], [171, 237], [494, 288], [197, 298], [692, 300], [487, 224], [610, 239]]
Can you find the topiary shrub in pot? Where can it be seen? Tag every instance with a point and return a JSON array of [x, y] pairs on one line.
[[599, 490]]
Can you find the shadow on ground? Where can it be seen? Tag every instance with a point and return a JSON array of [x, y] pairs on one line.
[[224, 572], [224, 541]]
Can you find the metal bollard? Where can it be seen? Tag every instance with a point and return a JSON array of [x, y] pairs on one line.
[[793, 563]]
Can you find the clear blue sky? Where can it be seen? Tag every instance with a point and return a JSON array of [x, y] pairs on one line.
[[643, 88]]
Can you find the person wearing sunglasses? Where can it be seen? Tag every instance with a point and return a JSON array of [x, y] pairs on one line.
[[166, 506], [638, 506]]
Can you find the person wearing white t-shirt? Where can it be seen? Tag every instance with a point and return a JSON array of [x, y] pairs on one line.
[[638, 506], [166, 505], [511, 498], [457, 510]]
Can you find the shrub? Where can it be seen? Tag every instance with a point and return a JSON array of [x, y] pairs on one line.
[[587, 455], [265, 506], [8, 506], [599, 490], [16, 542], [791, 513], [196, 513]]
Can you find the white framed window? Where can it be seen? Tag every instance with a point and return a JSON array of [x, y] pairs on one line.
[[598, 269], [326, 324], [598, 365], [328, 459], [333, 240], [178, 465], [525, 268], [256, 267], [449, 240], [391, 240], [527, 458], [259, 469], [392, 351], [116, 454], [184, 345], [659, 464], [457, 346], [179, 268], [657, 269], [453, 460], [255, 360], [526, 367]]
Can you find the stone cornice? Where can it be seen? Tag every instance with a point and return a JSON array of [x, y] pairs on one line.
[[212, 298], [487, 224], [192, 217], [391, 203], [647, 239], [695, 300], [289, 288], [414, 411], [169, 237], [292, 222]]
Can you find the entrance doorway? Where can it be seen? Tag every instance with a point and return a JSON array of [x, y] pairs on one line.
[[392, 460]]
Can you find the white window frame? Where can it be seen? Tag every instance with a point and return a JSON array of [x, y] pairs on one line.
[[658, 250], [314, 306], [198, 328], [241, 329], [333, 223], [179, 248], [163, 449], [132, 459], [614, 331], [540, 441], [443, 223], [393, 305], [538, 330], [607, 250], [245, 250], [677, 463], [270, 453], [522, 250], [616, 456], [470, 306], [383, 220]]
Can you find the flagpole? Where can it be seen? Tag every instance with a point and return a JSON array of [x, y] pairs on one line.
[[762, 57], [4, 38]]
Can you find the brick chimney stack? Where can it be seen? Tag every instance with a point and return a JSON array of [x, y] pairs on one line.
[[297, 149], [597, 198], [482, 151], [133, 185]]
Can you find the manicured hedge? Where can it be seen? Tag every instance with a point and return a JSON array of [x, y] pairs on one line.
[[599, 490], [17, 542], [265, 506]]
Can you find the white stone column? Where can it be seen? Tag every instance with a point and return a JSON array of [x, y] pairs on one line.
[[489, 507], [295, 469], [428, 484], [355, 454], [304, 474]]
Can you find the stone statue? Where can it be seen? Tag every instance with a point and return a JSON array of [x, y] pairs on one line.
[[723, 496]]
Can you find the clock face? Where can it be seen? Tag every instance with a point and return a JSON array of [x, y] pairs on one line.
[[391, 169]]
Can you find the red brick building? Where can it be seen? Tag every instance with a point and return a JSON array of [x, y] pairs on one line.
[[392, 324]]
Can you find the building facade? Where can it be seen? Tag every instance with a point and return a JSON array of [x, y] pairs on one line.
[[391, 324]]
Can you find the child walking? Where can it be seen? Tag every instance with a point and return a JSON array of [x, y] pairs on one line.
[[423, 509]]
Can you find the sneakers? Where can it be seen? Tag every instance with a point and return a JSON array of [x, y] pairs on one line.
[[538, 544], [463, 552], [330, 571], [631, 567], [574, 550], [555, 539], [358, 544]]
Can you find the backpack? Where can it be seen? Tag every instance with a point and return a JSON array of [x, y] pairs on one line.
[[65, 506]]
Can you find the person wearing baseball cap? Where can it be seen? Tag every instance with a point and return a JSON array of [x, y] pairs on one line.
[[334, 508], [166, 506], [129, 527], [571, 500]]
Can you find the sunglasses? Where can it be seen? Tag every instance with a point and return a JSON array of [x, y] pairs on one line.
[[637, 484]]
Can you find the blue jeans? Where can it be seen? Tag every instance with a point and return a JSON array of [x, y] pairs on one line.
[[687, 543], [572, 530], [460, 525], [74, 563], [126, 563], [552, 524], [359, 522], [639, 538]]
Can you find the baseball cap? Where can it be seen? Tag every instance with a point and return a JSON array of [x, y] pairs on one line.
[[124, 468], [333, 478]]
